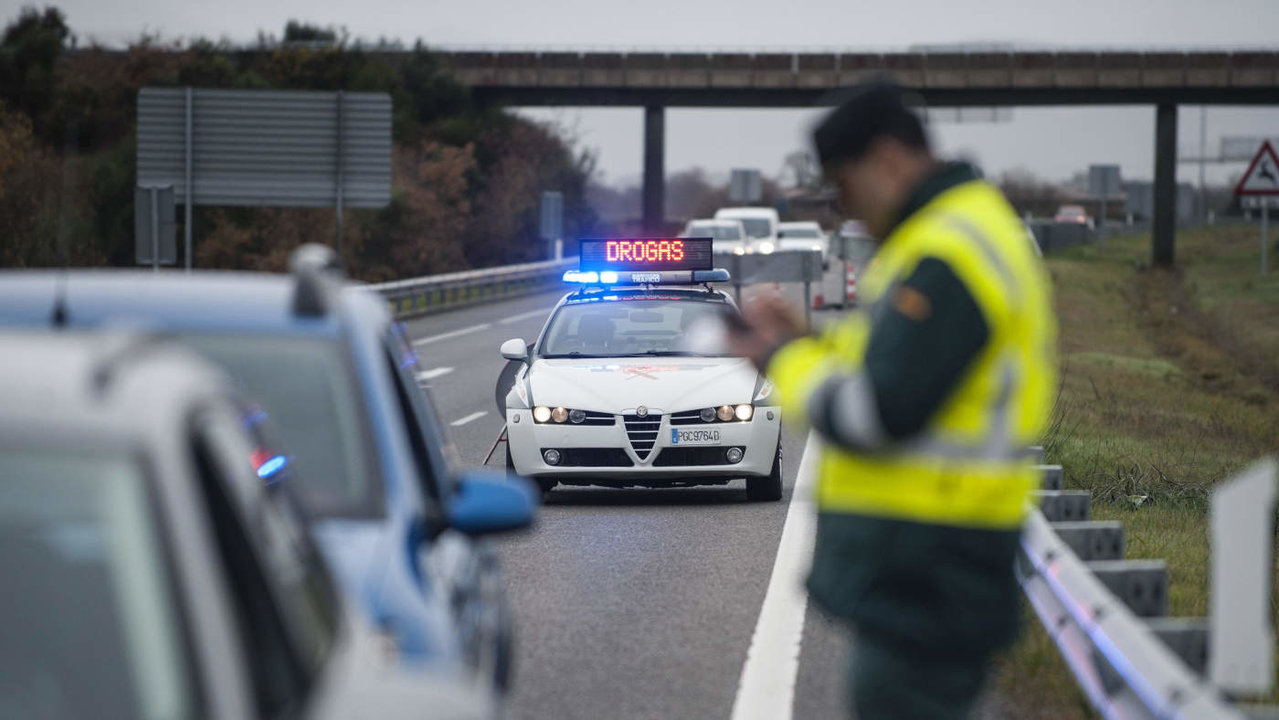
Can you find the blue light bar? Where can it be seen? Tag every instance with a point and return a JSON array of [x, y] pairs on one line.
[[710, 276], [679, 277], [272, 466]]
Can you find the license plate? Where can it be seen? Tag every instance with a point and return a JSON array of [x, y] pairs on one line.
[[694, 437]]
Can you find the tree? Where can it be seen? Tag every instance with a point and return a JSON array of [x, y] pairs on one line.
[[29, 52]]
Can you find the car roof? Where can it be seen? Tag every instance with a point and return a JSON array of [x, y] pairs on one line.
[[800, 224], [113, 388], [714, 221], [661, 292], [745, 212], [203, 300]]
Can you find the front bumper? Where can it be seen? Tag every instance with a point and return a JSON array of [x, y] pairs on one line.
[[605, 455]]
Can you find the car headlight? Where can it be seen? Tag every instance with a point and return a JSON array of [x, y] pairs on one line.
[[725, 412], [577, 416], [541, 414], [766, 248], [739, 250], [744, 412], [559, 414], [707, 414]]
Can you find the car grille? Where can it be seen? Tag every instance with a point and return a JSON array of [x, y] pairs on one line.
[[678, 456], [642, 432], [594, 457]]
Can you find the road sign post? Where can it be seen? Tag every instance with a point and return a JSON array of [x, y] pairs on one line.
[[1260, 184], [552, 220]]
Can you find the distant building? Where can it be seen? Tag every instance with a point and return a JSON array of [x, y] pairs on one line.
[[1141, 199]]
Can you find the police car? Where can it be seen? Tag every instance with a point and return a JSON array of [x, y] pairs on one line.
[[624, 386]]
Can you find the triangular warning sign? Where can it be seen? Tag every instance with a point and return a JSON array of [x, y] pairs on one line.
[[1262, 177]]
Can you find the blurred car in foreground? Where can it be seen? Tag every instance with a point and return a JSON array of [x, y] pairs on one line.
[[393, 517], [728, 235], [148, 571], [760, 224], [804, 235]]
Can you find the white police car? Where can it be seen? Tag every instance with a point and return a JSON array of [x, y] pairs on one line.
[[614, 392]]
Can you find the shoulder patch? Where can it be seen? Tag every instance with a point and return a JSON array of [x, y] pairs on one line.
[[912, 303]]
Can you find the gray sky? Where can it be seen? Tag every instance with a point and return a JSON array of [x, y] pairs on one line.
[[1051, 142]]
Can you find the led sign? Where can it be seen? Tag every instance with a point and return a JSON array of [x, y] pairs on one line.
[[648, 254]]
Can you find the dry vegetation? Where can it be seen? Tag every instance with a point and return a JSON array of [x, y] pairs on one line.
[[1170, 382]]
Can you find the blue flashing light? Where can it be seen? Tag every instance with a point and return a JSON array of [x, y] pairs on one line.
[[272, 466], [608, 277], [585, 278]]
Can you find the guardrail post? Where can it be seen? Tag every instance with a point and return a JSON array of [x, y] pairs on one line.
[[1094, 539]]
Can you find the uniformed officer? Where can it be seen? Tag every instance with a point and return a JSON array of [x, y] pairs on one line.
[[927, 398]]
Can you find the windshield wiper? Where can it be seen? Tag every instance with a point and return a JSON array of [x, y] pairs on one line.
[[575, 354]]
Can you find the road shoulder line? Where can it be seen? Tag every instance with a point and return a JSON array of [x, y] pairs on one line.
[[766, 690]]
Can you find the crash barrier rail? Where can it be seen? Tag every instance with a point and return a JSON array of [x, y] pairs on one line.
[[430, 293], [1108, 616]]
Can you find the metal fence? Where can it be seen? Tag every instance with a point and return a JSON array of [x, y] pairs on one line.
[[419, 296]]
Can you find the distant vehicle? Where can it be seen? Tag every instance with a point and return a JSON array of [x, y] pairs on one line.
[[804, 235], [851, 251], [760, 223], [1073, 214], [149, 571], [395, 518], [729, 235], [615, 391]]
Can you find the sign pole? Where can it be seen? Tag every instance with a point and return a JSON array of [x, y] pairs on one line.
[[155, 229], [186, 222], [1265, 222], [341, 172]]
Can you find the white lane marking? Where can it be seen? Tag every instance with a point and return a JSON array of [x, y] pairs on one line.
[[523, 316], [766, 690], [453, 333], [433, 373], [473, 416]]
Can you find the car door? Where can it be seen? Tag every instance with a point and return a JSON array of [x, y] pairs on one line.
[[467, 569]]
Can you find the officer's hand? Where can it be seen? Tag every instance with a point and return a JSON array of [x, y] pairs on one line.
[[770, 323]]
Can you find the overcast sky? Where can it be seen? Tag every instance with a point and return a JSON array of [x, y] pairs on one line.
[[1052, 142]]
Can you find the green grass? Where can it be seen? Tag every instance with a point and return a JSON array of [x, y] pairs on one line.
[[1169, 383]]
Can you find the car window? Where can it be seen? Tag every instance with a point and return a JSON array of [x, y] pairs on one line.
[[632, 327], [294, 571], [434, 452], [756, 227], [278, 676], [91, 627], [308, 388]]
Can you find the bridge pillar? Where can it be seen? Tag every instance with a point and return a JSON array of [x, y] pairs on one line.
[[1164, 230], [654, 169]]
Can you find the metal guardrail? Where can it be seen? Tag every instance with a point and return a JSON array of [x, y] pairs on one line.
[[1106, 615], [422, 295]]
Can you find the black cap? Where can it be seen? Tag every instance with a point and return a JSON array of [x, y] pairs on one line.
[[864, 113]]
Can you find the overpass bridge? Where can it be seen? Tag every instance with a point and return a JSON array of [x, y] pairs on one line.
[[657, 80]]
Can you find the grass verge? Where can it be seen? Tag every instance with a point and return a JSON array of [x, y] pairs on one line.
[[1169, 383]]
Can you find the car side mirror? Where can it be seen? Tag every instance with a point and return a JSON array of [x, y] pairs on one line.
[[515, 349], [487, 502]]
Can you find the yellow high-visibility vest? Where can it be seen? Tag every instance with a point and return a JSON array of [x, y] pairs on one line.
[[968, 467]]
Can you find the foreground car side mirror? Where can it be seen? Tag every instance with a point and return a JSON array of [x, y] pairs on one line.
[[487, 502], [515, 349]]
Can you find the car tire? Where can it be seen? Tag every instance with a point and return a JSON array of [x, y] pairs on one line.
[[769, 488]]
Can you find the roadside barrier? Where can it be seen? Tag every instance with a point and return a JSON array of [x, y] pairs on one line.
[[431, 293]]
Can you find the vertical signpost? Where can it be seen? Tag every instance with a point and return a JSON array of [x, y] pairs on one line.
[[1103, 183], [552, 222], [745, 186], [1260, 186]]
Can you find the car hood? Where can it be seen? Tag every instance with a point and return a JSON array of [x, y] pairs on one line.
[[662, 384]]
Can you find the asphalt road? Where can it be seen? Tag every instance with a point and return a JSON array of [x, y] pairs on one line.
[[632, 603]]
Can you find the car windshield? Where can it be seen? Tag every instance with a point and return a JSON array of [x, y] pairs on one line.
[[305, 386], [91, 629], [757, 227], [629, 328], [804, 233], [715, 231]]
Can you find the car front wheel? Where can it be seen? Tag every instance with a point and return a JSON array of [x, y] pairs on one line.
[[767, 489]]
